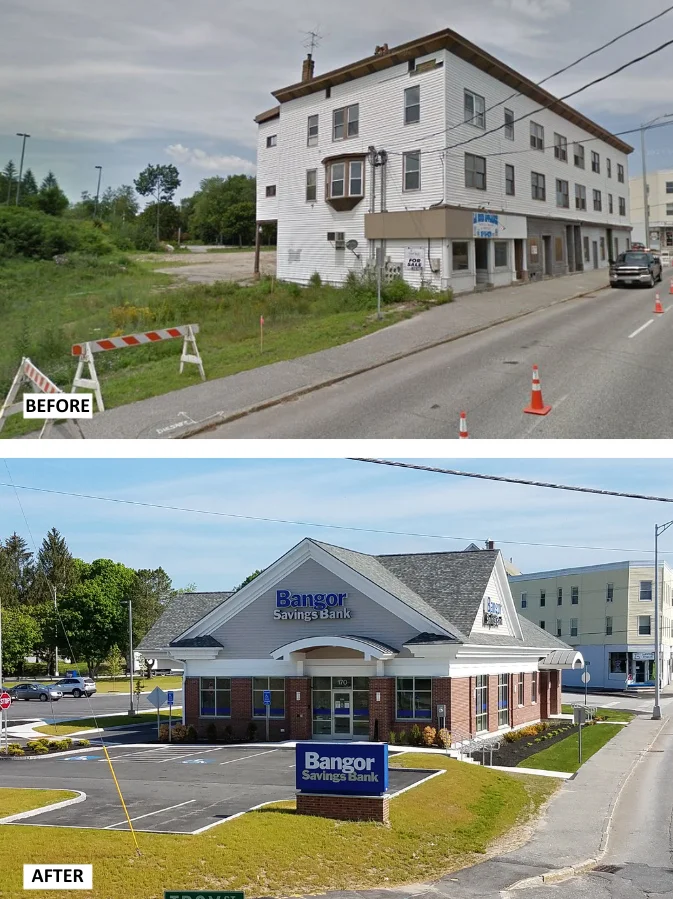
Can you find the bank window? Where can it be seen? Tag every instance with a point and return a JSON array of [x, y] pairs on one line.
[[578, 155], [561, 147], [503, 700], [559, 627], [520, 689], [617, 663], [215, 695], [536, 136], [644, 625], [574, 622], [481, 702], [475, 109], [608, 626], [312, 131], [620, 173], [608, 166], [271, 190], [574, 596], [509, 124], [559, 596], [501, 253], [622, 207], [412, 170], [598, 201], [414, 697], [277, 687], [609, 592], [595, 162], [346, 122], [475, 171], [412, 105], [272, 140], [645, 591], [524, 600], [510, 187], [562, 194], [459, 256], [538, 186], [580, 197], [543, 598], [533, 687], [311, 185]]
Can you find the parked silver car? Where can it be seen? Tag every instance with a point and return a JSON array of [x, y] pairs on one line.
[[43, 692], [76, 686]]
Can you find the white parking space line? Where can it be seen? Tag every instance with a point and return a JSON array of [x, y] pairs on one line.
[[183, 755], [642, 328], [149, 814], [252, 756]]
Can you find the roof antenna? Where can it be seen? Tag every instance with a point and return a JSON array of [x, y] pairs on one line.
[[313, 40]]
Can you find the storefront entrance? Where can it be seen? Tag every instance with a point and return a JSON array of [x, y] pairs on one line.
[[340, 707]]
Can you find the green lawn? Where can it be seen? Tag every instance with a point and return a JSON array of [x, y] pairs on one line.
[[606, 714], [45, 308], [121, 684], [563, 756], [14, 801], [435, 828], [65, 728]]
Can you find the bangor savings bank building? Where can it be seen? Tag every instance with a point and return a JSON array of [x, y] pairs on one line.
[[354, 646]]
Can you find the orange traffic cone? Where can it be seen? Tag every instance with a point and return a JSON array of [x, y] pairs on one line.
[[463, 426], [537, 406], [671, 288], [658, 308]]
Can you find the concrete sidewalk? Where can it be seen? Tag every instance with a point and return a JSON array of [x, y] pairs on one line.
[[188, 411], [572, 833]]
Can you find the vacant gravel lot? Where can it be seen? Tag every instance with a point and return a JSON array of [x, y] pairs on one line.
[[207, 268]]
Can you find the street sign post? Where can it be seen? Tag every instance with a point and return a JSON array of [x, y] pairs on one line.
[[266, 697], [579, 717], [586, 677], [5, 703], [169, 700], [157, 698]]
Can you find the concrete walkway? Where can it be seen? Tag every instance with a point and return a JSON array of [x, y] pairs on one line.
[[187, 412]]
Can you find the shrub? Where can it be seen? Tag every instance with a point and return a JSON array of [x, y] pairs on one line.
[[163, 733], [82, 744], [228, 734], [251, 731], [402, 737], [33, 744], [14, 746], [40, 749], [178, 733], [315, 280], [444, 738], [192, 735], [391, 738], [429, 736], [15, 749], [396, 291], [35, 235], [211, 732], [415, 736]]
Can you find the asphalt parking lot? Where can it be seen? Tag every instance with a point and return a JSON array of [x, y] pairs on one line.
[[167, 789]]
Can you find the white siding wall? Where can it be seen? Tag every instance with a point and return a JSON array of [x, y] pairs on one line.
[[268, 170]]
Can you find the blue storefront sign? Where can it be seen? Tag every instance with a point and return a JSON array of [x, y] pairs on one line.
[[346, 769]]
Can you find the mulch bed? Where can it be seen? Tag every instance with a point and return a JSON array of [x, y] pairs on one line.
[[511, 754]]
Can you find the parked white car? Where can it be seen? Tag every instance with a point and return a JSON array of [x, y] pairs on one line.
[[76, 686]]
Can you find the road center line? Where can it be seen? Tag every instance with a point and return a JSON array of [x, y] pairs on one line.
[[158, 812], [252, 756], [642, 328]]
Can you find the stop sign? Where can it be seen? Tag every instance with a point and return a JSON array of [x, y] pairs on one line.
[[5, 701]]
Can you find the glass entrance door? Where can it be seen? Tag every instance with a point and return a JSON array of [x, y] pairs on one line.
[[342, 714]]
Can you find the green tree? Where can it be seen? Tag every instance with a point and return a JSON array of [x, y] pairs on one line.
[[20, 636], [50, 198], [170, 220], [29, 189], [56, 574], [250, 577], [224, 208], [239, 223], [17, 572], [114, 663], [9, 176], [159, 182], [151, 591]]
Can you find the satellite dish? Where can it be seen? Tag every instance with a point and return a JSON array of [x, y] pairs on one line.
[[352, 245]]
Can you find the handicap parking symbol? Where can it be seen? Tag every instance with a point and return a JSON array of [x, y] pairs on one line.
[[81, 758], [197, 762]]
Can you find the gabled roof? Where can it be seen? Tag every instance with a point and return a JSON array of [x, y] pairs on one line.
[[201, 642], [182, 612]]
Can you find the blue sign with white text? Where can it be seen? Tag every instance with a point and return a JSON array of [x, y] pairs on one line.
[[169, 697], [359, 769], [267, 697]]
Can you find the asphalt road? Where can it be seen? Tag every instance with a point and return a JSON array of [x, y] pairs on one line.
[[641, 703], [604, 361], [98, 704]]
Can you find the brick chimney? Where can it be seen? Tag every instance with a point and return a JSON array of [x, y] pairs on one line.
[[307, 69], [490, 544]]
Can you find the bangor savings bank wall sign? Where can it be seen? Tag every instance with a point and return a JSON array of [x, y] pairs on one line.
[[492, 613], [356, 768], [310, 606]]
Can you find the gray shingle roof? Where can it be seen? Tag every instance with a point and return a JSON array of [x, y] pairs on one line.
[[201, 642], [181, 613]]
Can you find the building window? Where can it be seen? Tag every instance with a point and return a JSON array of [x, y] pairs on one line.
[[580, 196], [559, 596], [536, 136], [586, 249], [578, 155], [617, 663], [611, 205], [509, 124], [355, 179], [312, 131], [598, 201], [345, 179], [412, 170], [562, 194], [520, 690], [509, 180], [609, 592], [669, 187], [481, 702], [538, 186], [533, 688], [475, 109], [311, 185], [215, 695], [503, 700], [272, 140], [558, 249], [561, 147], [574, 596], [543, 598], [608, 626], [595, 162], [459, 256], [669, 209], [559, 627], [622, 206], [337, 179], [277, 687], [346, 122], [573, 626], [602, 249], [543, 625], [475, 171], [608, 166], [620, 173], [524, 600], [414, 697], [412, 105], [501, 253], [645, 591], [644, 625], [271, 190]]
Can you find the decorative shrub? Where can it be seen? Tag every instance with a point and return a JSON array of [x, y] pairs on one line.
[[163, 733], [429, 736], [251, 731], [40, 749], [43, 742], [391, 738], [211, 732], [315, 280], [15, 749], [192, 735], [415, 736], [82, 744], [402, 737], [444, 738], [228, 734]]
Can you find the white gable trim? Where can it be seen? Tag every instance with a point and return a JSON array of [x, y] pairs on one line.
[[363, 646], [500, 580], [283, 568]]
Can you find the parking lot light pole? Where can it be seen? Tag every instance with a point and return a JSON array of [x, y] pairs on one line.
[[100, 172], [23, 152], [130, 659], [658, 531]]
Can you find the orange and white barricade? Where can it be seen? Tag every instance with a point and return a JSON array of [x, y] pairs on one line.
[[85, 353], [27, 374]]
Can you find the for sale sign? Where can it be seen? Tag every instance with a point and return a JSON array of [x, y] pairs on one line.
[[413, 259]]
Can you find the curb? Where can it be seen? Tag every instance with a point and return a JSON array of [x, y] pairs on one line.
[[10, 819], [207, 424], [589, 864]]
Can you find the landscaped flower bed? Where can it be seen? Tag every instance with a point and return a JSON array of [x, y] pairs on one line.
[[520, 745], [43, 746]]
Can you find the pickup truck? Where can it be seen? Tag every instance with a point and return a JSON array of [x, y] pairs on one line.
[[635, 267]]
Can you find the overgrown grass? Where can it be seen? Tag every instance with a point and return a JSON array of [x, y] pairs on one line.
[[45, 308], [435, 828], [605, 714], [74, 725], [13, 801], [563, 756]]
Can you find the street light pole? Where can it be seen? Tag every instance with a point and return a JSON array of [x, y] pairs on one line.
[[100, 172], [646, 208], [23, 150], [658, 531], [130, 660]]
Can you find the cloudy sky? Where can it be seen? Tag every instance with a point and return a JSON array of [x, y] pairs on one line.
[[538, 528], [127, 83]]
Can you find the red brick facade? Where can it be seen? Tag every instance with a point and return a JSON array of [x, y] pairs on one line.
[[345, 808], [461, 707]]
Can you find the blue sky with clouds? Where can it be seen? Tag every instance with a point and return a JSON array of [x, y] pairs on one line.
[[217, 553], [124, 84]]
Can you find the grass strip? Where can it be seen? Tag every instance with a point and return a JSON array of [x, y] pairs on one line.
[[563, 756]]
